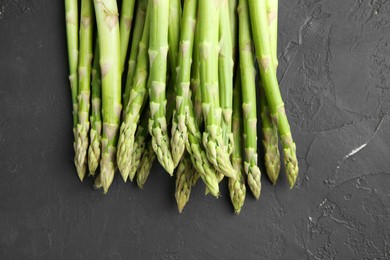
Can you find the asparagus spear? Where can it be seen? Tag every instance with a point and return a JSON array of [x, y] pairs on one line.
[[146, 163], [179, 129], [248, 84], [158, 48], [193, 116], [197, 153], [72, 27], [136, 38], [184, 178], [270, 139], [140, 143], [270, 132], [109, 49], [126, 19], [237, 187], [225, 73], [84, 90], [147, 159], [260, 29], [96, 116], [137, 98], [194, 120], [174, 27], [208, 68]]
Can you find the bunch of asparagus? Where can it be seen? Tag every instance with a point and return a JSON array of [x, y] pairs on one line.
[[188, 97]]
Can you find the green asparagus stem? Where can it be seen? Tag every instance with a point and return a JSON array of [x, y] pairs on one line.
[[233, 25], [260, 29], [171, 96], [146, 164], [136, 38], [179, 129], [184, 178], [72, 27], [158, 48], [270, 132], [225, 73], [174, 22], [198, 103], [174, 27], [139, 144], [96, 116], [138, 95], [272, 15], [248, 85], [126, 19], [208, 66], [237, 187], [84, 91], [109, 49], [195, 79]]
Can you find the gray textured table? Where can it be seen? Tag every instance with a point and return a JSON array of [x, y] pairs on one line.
[[335, 79]]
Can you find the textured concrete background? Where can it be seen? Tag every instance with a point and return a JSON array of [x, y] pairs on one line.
[[335, 78]]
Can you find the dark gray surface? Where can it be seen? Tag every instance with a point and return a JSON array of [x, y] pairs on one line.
[[335, 79]]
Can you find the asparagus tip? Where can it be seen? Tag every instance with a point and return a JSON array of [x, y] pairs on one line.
[[254, 182], [292, 180], [80, 172], [131, 176], [124, 176], [290, 159], [181, 202]]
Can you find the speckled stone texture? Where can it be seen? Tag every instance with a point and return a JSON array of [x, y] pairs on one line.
[[335, 79]]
